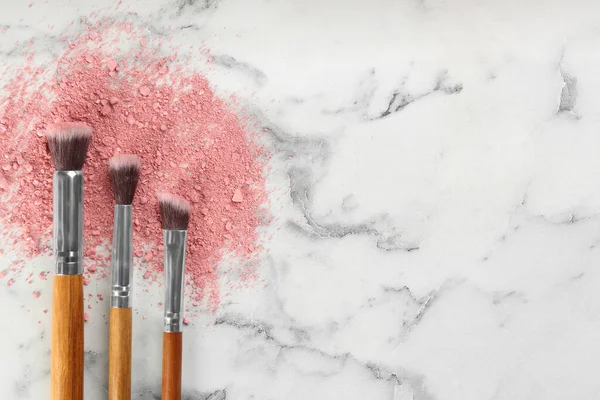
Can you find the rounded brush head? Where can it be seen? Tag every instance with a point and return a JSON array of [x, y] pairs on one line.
[[174, 211], [124, 170], [68, 143]]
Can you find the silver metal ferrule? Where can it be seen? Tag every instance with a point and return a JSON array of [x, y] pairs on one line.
[[68, 222], [174, 243], [122, 258]]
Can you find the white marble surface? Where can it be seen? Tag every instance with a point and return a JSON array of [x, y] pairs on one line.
[[437, 194]]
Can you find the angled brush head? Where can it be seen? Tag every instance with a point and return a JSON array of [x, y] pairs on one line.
[[174, 211], [124, 170], [68, 143]]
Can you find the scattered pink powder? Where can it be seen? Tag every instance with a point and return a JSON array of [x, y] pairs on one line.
[[86, 317], [149, 256], [36, 294], [186, 321], [110, 64], [237, 196], [144, 91], [10, 282], [189, 141]]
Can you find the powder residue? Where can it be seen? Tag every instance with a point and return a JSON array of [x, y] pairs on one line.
[[189, 140]]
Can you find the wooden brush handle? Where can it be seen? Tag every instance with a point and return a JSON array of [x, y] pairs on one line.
[[66, 367], [171, 370], [119, 354]]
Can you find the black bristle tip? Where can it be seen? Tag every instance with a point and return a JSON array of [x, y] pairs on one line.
[[68, 143], [174, 211], [124, 170]]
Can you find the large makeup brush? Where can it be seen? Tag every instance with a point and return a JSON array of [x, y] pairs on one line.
[[175, 215], [124, 173], [68, 144]]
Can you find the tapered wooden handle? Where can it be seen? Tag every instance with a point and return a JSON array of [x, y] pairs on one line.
[[119, 354], [66, 365], [171, 370]]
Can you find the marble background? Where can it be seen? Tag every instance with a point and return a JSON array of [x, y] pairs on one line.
[[436, 193]]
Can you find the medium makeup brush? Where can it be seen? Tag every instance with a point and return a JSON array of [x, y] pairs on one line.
[[175, 215], [124, 171], [68, 144]]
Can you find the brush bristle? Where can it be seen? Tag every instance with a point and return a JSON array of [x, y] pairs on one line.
[[68, 143], [174, 211], [124, 170]]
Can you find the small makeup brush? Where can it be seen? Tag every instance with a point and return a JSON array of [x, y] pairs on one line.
[[124, 171], [68, 144], [175, 215]]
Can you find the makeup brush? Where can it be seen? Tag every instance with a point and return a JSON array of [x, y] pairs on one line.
[[175, 215], [68, 144], [124, 171]]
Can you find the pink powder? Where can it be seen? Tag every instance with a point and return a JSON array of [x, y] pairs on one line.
[[238, 197], [189, 141], [36, 294]]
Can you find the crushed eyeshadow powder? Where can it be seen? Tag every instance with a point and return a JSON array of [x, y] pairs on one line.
[[189, 141]]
